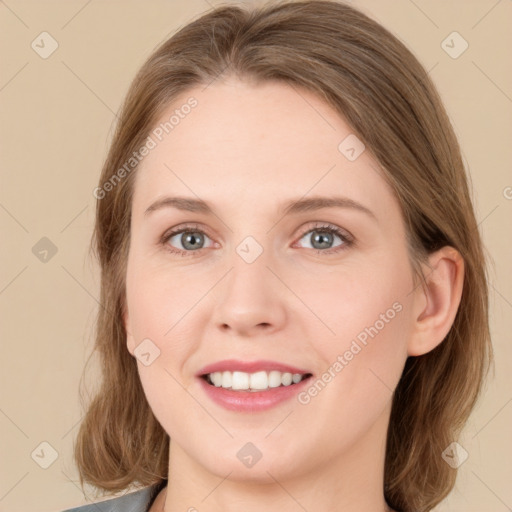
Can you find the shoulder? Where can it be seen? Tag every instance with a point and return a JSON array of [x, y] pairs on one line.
[[137, 501]]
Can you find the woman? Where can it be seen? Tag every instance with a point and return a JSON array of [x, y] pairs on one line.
[[293, 283]]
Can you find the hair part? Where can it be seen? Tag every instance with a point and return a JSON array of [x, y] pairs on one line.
[[376, 84]]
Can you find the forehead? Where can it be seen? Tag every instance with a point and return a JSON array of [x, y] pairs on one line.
[[251, 144]]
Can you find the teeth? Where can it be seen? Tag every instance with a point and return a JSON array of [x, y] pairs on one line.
[[296, 377], [253, 381], [274, 379], [258, 380], [216, 378], [227, 378], [240, 380]]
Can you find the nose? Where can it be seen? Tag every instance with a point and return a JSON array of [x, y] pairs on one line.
[[251, 299]]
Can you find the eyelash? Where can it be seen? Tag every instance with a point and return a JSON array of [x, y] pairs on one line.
[[347, 239]]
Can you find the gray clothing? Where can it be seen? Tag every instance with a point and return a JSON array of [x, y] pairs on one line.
[[138, 501]]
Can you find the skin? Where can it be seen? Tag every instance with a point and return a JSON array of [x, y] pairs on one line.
[[247, 149]]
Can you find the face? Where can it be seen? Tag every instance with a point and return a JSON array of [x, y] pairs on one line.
[[322, 292]]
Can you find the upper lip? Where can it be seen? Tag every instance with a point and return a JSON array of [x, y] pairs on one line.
[[231, 365]]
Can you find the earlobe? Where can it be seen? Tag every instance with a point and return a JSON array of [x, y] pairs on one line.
[[129, 338], [436, 302]]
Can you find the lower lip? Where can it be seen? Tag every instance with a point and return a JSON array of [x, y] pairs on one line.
[[252, 401]]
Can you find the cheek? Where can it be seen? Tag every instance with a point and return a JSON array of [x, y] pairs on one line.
[[359, 300], [157, 309], [157, 300], [368, 309]]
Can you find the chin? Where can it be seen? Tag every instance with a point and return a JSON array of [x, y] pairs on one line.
[[261, 473], [255, 462]]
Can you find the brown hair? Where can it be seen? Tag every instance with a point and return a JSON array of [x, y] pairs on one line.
[[373, 81]]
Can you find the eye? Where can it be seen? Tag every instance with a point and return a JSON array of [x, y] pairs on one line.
[[187, 239], [322, 236]]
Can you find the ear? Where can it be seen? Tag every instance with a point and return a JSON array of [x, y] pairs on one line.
[[437, 302], [130, 342]]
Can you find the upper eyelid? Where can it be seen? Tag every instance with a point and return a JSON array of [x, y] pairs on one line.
[[319, 225]]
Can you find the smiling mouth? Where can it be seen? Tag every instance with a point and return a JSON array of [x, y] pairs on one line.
[[258, 381]]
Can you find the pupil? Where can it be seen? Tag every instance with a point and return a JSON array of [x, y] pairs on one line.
[[323, 239], [188, 240]]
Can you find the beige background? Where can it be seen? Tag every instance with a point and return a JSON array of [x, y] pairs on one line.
[[57, 119]]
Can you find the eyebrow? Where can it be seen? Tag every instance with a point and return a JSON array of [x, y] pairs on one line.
[[294, 206]]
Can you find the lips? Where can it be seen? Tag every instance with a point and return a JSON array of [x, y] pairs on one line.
[[251, 385], [233, 365]]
